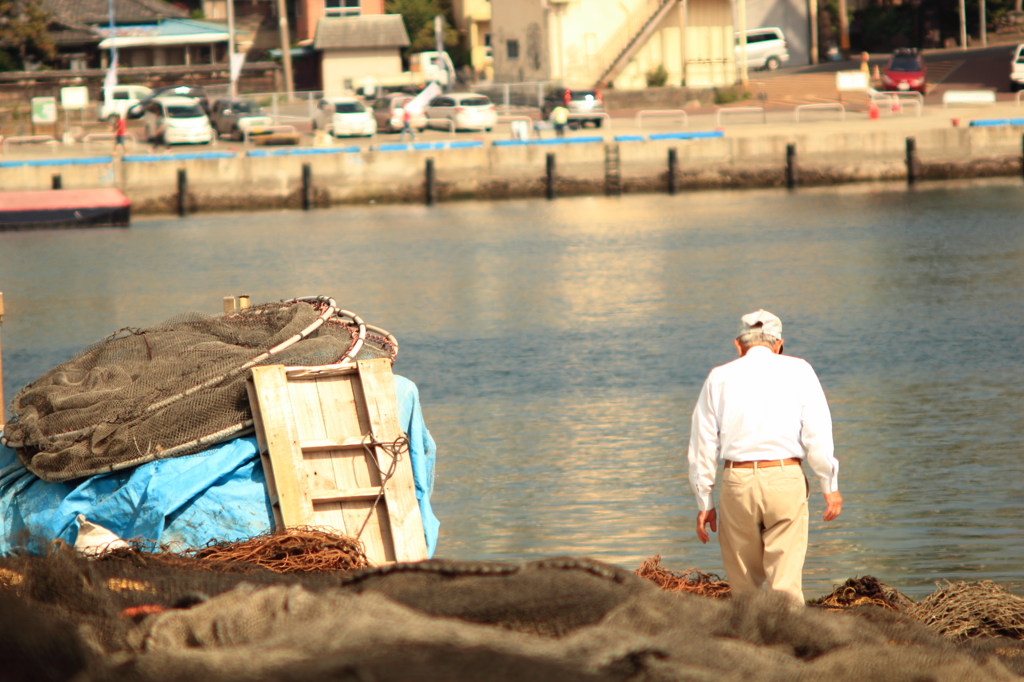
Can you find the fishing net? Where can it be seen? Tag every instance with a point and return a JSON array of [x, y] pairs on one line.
[[965, 610], [866, 591], [176, 388], [690, 581], [560, 620]]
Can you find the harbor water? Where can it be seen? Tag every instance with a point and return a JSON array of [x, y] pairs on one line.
[[559, 348]]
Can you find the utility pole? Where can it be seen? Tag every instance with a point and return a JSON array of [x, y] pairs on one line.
[[741, 10], [286, 49], [963, 26], [844, 30], [233, 92], [982, 32], [812, 13]]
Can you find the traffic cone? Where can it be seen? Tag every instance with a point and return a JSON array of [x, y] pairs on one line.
[[896, 107], [873, 111]]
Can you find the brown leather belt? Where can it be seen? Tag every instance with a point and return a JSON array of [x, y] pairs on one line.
[[762, 463]]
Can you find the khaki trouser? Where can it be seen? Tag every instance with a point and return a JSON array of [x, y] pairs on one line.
[[763, 528]]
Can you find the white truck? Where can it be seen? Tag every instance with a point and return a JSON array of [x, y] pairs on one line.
[[117, 99], [424, 67], [1017, 69]]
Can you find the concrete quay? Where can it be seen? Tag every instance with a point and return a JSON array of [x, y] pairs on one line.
[[712, 150]]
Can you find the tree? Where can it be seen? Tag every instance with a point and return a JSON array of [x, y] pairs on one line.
[[418, 16], [23, 30]]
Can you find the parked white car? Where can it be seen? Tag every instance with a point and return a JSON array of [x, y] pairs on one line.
[[1017, 69], [466, 110], [344, 117], [766, 49], [182, 119], [117, 99]]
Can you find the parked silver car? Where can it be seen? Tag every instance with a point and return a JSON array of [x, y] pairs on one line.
[[766, 49], [466, 111]]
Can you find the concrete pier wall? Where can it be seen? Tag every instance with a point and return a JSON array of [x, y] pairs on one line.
[[272, 178]]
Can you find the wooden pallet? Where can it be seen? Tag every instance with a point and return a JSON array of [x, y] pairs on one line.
[[325, 437]]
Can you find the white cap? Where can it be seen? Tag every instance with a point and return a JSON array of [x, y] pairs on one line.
[[761, 321]]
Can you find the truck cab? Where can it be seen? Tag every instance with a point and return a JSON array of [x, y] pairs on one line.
[[117, 99]]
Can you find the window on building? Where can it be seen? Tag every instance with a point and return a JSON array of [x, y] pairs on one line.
[[341, 8], [513, 48]]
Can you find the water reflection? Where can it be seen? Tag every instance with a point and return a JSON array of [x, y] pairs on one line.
[[559, 347]]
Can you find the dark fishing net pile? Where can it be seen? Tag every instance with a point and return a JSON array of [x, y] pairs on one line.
[[175, 388], [866, 591], [964, 611], [559, 619]]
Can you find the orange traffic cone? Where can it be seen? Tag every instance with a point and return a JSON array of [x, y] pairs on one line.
[[873, 111], [896, 108]]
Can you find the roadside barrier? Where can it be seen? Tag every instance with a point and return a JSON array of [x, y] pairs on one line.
[[819, 107], [980, 97], [246, 135], [738, 110], [86, 161], [107, 138], [30, 139], [662, 113]]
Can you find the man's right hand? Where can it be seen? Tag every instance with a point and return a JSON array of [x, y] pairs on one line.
[[705, 518], [834, 505]]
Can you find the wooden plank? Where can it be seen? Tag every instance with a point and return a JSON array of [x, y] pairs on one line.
[[349, 494], [340, 369], [378, 386], [261, 444], [282, 439], [329, 444]]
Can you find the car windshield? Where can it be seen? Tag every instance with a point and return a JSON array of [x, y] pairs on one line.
[[905, 64], [245, 108], [348, 108], [184, 111], [475, 102]]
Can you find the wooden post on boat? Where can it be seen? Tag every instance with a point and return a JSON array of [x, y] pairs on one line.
[[243, 301], [229, 304], [3, 405], [182, 193]]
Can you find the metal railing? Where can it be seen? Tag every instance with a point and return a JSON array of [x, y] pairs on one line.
[[662, 113], [107, 138], [898, 99], [30, 139], [509, 95], [738, 110], [827, 106], [246, 134], [448, 123]]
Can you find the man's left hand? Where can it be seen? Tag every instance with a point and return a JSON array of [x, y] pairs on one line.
[[834, 505]]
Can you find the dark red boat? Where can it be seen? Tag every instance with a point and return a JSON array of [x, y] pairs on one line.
[[64, 208]]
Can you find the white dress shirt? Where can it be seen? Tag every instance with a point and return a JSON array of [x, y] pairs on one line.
[[761, 406]]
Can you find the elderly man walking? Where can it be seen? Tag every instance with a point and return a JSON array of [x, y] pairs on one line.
[[763, 414]]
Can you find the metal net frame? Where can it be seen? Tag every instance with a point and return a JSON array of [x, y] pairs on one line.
[[175, 388]]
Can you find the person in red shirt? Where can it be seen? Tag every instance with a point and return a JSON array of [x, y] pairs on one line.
[[120, 130]]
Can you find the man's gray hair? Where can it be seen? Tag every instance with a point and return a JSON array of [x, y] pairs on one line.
[[751, 339]]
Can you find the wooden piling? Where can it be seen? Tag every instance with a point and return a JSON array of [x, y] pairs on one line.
[[429, 182], [549, 190], [791, 172], [229, 304], [912, 165], [307, 186], [182, 192], [673, 170], [55, 181]]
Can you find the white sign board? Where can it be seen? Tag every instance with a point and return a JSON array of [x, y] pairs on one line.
[[76, 97], [44, 109], [852, 81]]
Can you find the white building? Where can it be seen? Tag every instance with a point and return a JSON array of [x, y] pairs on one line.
[[359, 47], [587, 42]]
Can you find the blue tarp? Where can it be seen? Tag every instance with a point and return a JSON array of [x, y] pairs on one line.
[[218, 494]]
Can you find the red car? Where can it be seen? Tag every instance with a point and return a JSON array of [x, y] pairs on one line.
[[904, 71]]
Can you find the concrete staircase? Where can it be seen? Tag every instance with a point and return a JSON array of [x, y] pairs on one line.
[[632, 36]]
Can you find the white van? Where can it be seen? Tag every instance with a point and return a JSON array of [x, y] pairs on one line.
[[1017, 69], [766, 49], [117, 99], [181, 118]]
